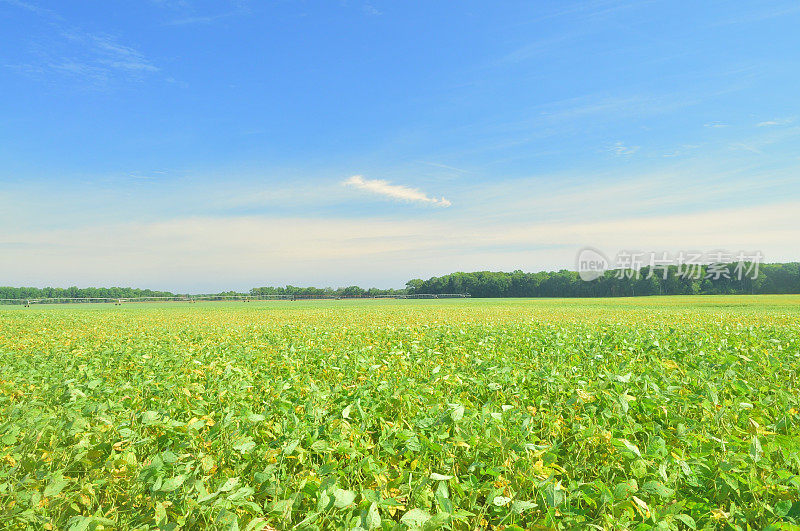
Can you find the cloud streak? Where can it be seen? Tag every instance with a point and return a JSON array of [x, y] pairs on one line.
[[444, 166], [777, 121], [394, 191], [71, 50]]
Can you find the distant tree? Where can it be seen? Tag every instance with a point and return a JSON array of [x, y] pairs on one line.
[[414, 285], [353, 292]]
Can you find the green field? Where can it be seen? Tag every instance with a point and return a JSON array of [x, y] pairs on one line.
[[668, 412]]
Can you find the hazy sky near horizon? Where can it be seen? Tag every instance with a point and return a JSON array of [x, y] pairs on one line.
[[199, 146]]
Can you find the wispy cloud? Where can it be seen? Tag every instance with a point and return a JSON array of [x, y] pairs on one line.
[[744, 146], [777, 121], [171, 4], [594, 105], [534, 49], [369, 9], [759, 13], [683, 150], [394, 191], [444, 166], [187, 12], [621, 150], [104, 52], [33, 8], [196, 20], [586, 10], [206, 19], [98, 58], [771, 138], [715, 125]]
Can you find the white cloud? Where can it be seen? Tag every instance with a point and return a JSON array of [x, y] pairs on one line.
[[394, 191], [621, 150], [777, 121]]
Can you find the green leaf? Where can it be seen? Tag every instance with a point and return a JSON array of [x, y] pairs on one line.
[[207, 462], [437, 521], [373, 519], [629, 446], [519, 506], [150, 417], [755, 450], [343, 498], [282, 506], [172, 483], [256, 524], [415, 518], [79, 523], [55, 487], [553, 495], [687, 520], [642, 504], [782, 508], [228, 485], [241, 493], [325, 501], [245, 446], [161, 512], [623, 402], [440, 477], [320, 445], [656, 487], [501, 501], [290, 446], [207, 497]]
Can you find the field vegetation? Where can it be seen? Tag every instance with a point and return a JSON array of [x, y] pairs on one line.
[[637, 413]]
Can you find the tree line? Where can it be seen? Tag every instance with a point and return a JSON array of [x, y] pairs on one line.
[[79, 293], [27, 293], [325, 293], [705, 280]]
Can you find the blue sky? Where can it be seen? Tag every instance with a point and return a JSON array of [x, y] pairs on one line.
[[199, 146]]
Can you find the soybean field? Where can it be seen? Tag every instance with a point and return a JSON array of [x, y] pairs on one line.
[[633, 413]]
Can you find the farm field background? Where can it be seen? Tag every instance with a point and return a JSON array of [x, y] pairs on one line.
[[675, 412]]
